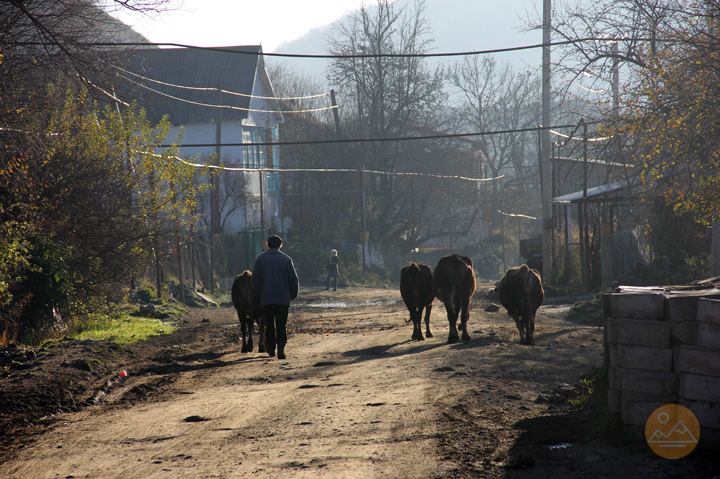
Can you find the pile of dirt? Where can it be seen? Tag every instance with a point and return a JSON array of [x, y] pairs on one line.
[[37, 384]]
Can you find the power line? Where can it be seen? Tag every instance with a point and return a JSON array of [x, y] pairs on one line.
[[229, 107], [196, 88], [367, 140], [359, 55], [516, 215], [602, 138], [319, 170]]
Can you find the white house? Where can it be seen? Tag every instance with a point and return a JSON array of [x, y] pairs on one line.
[[216, 99]]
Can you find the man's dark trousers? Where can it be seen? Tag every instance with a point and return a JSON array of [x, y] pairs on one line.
[[275, 317]]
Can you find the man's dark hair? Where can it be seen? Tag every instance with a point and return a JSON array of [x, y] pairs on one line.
[[274, 241]]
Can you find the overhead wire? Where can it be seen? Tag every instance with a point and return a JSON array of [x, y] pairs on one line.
[[367, 140], [229, 107], [361, 55], [516, 215], [319, 95], [317, 170], [602, 138]]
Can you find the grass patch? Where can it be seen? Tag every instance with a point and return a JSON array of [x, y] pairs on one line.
[[592, 400], [119, 329], [587, 312], [592, 394]]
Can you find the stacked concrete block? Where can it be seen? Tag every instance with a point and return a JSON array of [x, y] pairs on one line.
[[663, 347], [699, 371], [681, 313], [639, 357]]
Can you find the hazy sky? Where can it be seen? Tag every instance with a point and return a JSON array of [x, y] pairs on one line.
[[238, 22]]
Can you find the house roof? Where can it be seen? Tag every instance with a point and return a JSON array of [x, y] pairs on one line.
[[196, 68], [601, 192]]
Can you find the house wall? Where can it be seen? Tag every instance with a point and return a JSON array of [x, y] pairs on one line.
[[236, 131]]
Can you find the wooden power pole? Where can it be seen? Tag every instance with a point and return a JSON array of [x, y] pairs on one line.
[[545, 146]]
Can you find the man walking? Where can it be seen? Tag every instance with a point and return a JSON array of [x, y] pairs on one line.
[[333, 269], [275, 278]]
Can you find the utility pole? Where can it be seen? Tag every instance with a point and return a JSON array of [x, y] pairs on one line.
[[616, 79], [584, 234], [545, 145], [715, 250], [262, 206], [214, 210], [336, 116]]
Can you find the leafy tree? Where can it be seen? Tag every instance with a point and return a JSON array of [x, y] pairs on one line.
[[86, 204], [665, 116], [76, 215]]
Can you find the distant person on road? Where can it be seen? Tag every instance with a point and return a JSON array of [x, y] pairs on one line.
[[333, 269], [275, 278]]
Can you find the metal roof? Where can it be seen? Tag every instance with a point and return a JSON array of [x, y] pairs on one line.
[[597, 191], [188, 67]]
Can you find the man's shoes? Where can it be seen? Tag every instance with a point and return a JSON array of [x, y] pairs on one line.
[[281, 354], [271, 353], [335, 289]]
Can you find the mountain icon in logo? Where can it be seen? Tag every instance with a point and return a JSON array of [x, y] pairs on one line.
[[679, 436], [672, 431]]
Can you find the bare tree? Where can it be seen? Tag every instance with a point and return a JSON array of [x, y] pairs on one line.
[[495, 97], [381, 73]]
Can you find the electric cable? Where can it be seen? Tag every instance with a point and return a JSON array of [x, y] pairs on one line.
[[319, 95], [229, 107], [360, 55], [318, 170], [367, 140]]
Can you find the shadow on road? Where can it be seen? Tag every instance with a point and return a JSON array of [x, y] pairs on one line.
[[195, 362]]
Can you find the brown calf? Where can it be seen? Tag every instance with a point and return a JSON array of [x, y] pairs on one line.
[[247, 303], [416, 291]]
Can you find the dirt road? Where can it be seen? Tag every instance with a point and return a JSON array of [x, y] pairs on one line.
[[354, 398]]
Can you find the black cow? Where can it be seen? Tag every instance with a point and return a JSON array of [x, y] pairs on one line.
[[453, 282], [416, 291], [521, 293], [247, 303]]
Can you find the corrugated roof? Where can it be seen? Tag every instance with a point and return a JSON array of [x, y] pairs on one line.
[[606, 189], [196, 68]]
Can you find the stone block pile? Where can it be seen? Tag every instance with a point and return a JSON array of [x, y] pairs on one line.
[[662, 346]]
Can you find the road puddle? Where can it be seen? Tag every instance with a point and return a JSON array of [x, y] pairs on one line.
[[349, 305], [562, 445]]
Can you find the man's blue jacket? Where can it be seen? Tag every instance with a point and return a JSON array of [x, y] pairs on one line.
[[275, 278]]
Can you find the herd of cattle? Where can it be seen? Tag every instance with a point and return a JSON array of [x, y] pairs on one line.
[[452, 281]]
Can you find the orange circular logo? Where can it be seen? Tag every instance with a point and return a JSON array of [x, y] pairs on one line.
[[672, 431]]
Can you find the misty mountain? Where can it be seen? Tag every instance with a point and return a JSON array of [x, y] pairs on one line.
[[457, 26]]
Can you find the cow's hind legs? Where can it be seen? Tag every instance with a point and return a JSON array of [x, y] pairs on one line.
[[261, 338], [417, 333], [463, 326], [250, 338], [243, 331], [530, 332], [417, 327], [427, 321], [453, 336]]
